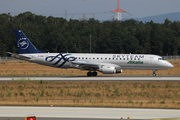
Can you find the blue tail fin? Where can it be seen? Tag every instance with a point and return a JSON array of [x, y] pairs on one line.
[[24, 44]]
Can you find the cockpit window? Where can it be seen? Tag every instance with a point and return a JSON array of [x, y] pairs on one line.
[[161, 59]]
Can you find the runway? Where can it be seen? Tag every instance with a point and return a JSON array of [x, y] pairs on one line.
[[40, 118], [98, 78], [88, 112]]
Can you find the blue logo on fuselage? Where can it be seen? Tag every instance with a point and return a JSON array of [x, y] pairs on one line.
[[58, 59]]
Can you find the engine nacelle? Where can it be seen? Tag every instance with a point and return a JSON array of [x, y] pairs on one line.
[[109, 70]]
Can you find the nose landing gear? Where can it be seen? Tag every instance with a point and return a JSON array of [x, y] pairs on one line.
[[154, 73]]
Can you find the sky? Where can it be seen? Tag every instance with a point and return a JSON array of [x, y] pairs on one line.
[[99, 9]]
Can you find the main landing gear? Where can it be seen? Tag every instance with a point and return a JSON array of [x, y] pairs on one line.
[[154, 73], [92, 73]]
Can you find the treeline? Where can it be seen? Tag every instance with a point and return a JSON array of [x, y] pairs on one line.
[[53, 34]]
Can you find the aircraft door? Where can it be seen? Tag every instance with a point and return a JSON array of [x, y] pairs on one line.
[[45, 58]]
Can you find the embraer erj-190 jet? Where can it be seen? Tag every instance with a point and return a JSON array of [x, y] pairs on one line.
[[105, 63]]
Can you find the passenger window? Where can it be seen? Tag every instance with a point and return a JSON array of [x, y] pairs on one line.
[[101, 58], [93, 58], [82, 57], [109, 58], [116, 58], [131, 58], [79, 58], [134, 58], [123, 58], [105, 58], [127, 58], [97, 58]]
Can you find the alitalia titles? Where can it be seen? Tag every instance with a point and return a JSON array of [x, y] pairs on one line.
[[135, 62]]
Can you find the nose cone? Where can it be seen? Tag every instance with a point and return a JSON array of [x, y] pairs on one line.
[[169, 65]]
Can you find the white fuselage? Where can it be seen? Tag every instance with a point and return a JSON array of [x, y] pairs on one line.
[[125, 61]]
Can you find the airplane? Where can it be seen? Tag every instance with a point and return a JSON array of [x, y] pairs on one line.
[[104, 63]]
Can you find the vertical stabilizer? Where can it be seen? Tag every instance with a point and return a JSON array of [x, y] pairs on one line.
[[24, 44]]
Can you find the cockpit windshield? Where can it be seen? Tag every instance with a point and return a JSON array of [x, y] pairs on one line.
[[161, 59]]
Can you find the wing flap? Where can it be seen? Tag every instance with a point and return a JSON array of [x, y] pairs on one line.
[[85, 65]]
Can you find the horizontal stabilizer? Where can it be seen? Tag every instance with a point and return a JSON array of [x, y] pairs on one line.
[[17, 56]]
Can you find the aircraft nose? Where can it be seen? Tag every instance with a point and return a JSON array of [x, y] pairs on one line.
[[169, 65]]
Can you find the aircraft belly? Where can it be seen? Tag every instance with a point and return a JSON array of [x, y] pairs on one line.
[[143, 67], [66, 65]]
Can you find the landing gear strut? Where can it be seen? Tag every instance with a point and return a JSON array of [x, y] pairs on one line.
[[154, 73], [92, 73]]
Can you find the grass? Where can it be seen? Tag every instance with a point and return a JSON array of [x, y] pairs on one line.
[[21, 68], [132, 94]]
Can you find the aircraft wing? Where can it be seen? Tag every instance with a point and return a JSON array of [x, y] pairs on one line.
[[86, 65], [17, 56]]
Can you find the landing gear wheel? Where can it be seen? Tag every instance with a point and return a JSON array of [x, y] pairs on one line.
[[94, 73], [154, 73], [89, 74]]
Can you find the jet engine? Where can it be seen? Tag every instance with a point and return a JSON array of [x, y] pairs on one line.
[[109, 70]]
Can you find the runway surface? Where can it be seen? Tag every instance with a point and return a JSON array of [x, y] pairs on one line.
[[98, 78], [87, 112], [40, 118]]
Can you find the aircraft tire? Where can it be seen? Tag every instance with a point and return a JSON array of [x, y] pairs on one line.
[[154, 75], [89, 74], [94, 73]]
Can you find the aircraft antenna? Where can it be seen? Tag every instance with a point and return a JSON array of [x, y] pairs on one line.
[[118, 11]]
